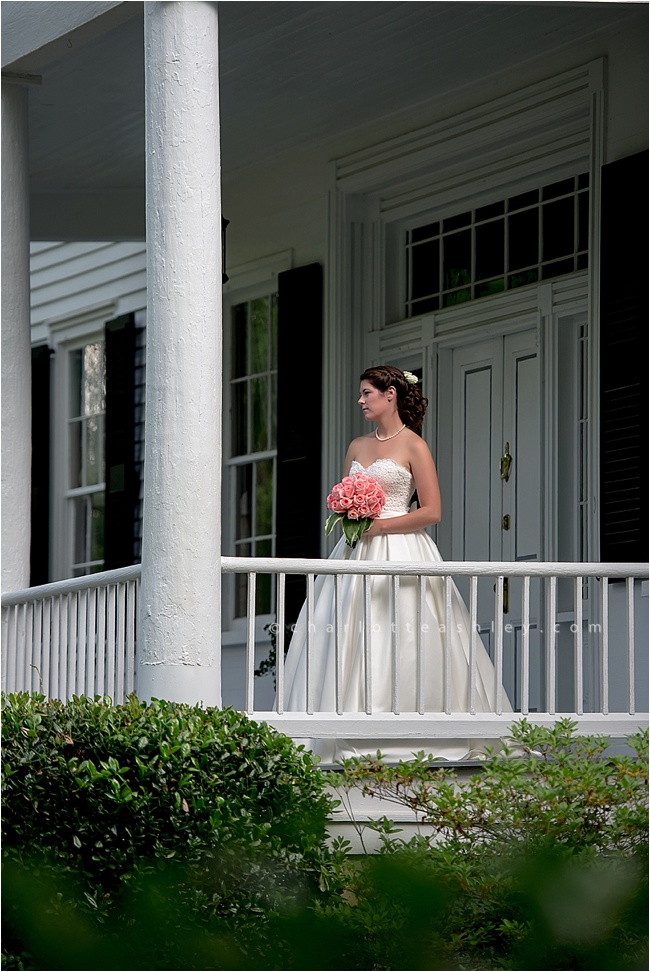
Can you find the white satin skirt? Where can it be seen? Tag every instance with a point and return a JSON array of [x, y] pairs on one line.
[[383, 624]]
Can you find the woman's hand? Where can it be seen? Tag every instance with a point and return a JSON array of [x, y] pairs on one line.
[[374, 530]]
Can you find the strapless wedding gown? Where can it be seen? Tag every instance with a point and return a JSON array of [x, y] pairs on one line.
[[398, 485]]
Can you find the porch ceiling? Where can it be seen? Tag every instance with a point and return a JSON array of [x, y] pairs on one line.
[[292, 75]]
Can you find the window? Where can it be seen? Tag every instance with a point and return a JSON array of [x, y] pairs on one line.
[[526, 238], [253, 436], [85, 472]]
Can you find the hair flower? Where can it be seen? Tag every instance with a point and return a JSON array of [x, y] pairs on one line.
[[410, 377]]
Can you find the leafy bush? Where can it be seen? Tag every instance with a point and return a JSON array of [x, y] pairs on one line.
[[107, 804], [538, 861], [164, 836]]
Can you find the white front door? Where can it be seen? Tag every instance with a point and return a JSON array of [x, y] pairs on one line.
[[490, 463]]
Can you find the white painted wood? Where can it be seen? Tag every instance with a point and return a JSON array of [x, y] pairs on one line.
[[29, 29], [629, 595], [16, 354], [178, 651], [72, 278], [328, 725]]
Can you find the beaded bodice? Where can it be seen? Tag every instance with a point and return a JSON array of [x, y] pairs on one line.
[[395, 480]]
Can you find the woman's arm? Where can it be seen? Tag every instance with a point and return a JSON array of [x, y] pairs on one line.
[[429, 511]]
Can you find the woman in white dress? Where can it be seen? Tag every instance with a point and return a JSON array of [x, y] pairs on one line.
[[399, 459]]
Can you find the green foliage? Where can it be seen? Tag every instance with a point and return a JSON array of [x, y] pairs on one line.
[[99, 801], [538, 860], [164, 836]]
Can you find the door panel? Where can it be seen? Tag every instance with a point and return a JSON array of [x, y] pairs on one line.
[[491, 402]]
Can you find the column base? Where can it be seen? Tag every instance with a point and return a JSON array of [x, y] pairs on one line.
[[191, 684]]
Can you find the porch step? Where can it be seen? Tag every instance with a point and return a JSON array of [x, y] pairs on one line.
[[351, 819]]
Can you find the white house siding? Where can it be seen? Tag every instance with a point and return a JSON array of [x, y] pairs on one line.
[[69, 280]]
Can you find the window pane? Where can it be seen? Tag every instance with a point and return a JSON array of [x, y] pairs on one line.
[[94, 386], [487, 212], [76, 378], [425, 306], [492, 287], [558, 229], [583, 221], [425, 278], [239, 340], [80, 528], [455, 222], [243, 501], [489, 250], [425, 232], [274, 331], [523, 239], [523, 278], [97, 527], [260, 416], [274, 412], [558, 189], [264, 497], [93, 467], [558, 268], [75, 431], [260, 335], [522, 200], [88, 531], [457, 297], [264, 589], [457, 256], [541, 229], [240, 418]]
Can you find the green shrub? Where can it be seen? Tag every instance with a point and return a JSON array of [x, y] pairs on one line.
[[535, 862], [171, 837], [104, 806]]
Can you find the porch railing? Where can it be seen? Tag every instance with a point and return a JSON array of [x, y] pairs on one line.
[[601, 643], [79, 637], [73, 637]]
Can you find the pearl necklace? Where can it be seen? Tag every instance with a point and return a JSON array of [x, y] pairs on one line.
[[387, 437]]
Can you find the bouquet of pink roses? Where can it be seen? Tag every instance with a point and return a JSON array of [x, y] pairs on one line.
[[356, 501]]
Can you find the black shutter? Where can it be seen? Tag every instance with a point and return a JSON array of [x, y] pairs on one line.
[[40, 505], [624, 360], [299, 515], [121, 479]]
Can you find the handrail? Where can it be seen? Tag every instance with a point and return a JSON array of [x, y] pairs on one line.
[[72, 584], [488, 568], [295, 565]]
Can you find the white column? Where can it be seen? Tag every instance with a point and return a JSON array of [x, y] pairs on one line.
[[16, 345], [180, 631]]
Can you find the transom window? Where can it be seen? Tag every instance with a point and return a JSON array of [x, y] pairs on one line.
[[528, 237], [86, 451], [254, 439]]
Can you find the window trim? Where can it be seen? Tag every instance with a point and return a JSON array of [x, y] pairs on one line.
[[69, 336], [246, 283]]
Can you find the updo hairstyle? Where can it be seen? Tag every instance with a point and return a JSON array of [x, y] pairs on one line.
[[411, 403]]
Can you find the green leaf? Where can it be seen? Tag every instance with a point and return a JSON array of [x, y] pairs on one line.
[[332, 521]]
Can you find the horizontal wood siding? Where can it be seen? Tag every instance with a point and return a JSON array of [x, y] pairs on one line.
[[70, 279]]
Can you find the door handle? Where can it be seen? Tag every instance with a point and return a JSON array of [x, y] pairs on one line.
[[505, 463]]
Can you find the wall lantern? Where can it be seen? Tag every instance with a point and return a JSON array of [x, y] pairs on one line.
[[224, 224]]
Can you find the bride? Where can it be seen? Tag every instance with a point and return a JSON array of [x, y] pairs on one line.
[[396, 455]]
